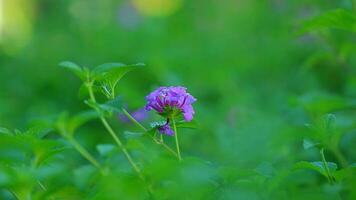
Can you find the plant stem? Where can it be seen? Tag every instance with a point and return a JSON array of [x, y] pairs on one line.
[[145, 130], [113, 134], [42, 186], [326, 166], [176, 138], [134, 120], [84, 153], [161, 138], [119, 143]]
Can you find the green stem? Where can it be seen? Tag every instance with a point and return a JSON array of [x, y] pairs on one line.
[[84, 153], [42, 186], [119, 143], [14, 194], [134, 120], [145, 130], [176, 138], [161, 138], [326, 166], [113, 135]]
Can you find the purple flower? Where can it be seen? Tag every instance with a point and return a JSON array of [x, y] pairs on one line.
[[171, 101], [166, 129]]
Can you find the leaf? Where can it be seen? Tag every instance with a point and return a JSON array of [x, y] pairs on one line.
[[308, 144], [105, 110], [43, 156], [85, 176], [339, 19], [345, 173], [316, 166], [191, 125], [131, 135], [266, 169], [80, 119], [330, 120], [114, 105], [105, 149], [76, 69], [5, 131], [157, 124], [109, 74]]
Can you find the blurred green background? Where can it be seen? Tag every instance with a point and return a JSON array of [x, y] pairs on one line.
[[258, 70]]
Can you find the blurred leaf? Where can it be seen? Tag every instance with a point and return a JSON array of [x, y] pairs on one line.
[[43, 156], [345, 173], [184, 124], [5, 131], [103, 109], [316, 166], [105, 149], [157, 124], [330, 121], [307, 144], [113, 105], [339, 19], [266, 169], [132, 135], [80, 119], [85, 176], [74, 68], [320, 103]]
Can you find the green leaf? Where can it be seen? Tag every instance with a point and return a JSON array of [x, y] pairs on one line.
[[5, 131], [76, 69], [339, 19], [316, 166], [345, 173], [191, 125], [330, 120], [131, 135], [85, 176], [109, 74], [80, 119], [42, 156], [113, 105], [308, 144], [105, 149]]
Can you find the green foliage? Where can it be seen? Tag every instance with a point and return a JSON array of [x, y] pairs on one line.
[[317, 166], [339, 19], [276, 110], [109, 74]]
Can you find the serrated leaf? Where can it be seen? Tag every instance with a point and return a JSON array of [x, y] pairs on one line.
[[105, 149], [76, 69], [155, 125], [316, 166], [339, 19]]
